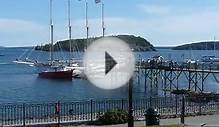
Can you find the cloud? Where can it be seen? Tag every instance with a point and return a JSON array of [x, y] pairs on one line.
[[186, 28], [17, 25], [154, 9], [17, 32], [171, 29]]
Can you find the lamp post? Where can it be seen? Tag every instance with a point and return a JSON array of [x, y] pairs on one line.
[[182, 116], [130, 110], [181, 92]]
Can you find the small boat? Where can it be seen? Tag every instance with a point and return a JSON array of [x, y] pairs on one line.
[[2, 55], [77, 72], [210, 58], [156, 59], [26, 61], [190, 61]]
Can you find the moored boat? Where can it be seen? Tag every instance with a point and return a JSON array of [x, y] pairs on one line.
[[64, 75], [73, 65], [26, 61], [53, 69], [210, 58], [77, 72]]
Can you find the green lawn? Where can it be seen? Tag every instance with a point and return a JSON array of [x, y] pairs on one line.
[[166, 126]]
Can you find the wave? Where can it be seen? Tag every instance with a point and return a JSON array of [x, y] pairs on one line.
[[5, 63]]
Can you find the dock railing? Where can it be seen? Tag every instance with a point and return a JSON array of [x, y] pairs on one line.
[[83, 111]]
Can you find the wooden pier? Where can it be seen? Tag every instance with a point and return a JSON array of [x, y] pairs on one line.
[[168, 76]]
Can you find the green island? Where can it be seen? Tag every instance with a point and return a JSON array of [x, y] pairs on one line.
[[138, 44], [207, 45]]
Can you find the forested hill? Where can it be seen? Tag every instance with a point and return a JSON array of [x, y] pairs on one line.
[[136, 43], [208, 45]]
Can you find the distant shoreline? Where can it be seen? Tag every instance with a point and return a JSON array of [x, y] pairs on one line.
[[20, 47], [164, 47], [17, 46], [206, 45]]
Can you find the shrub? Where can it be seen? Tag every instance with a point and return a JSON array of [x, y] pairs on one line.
[[113, 117]]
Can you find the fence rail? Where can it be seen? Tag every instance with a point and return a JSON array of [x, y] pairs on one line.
[[69, 112]]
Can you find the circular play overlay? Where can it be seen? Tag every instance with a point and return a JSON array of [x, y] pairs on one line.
[[109, 63]]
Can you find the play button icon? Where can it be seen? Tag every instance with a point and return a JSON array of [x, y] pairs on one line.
[[108, 63]]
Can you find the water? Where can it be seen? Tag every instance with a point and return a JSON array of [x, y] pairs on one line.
[[19, 83]]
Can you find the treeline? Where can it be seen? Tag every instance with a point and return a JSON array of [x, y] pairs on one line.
[[209, 45], [136, 43]]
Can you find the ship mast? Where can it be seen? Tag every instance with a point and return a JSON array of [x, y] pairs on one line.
[[214, 45], [87, 27], [69, 29], [51, 33], [103, 25]]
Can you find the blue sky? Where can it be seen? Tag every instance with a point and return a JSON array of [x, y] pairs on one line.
[[162, 22]]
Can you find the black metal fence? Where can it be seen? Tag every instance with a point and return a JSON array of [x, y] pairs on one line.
[[79, 111]]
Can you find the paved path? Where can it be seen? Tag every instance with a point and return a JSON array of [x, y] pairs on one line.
[[208, 120]]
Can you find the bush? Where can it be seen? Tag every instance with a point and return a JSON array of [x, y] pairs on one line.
[[113, 117]]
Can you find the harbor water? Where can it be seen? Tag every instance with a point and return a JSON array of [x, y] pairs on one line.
[[20, 83]]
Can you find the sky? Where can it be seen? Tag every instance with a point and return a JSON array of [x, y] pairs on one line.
[[161, 22]]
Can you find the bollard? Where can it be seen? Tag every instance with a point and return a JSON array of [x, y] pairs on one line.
[[152, 117]]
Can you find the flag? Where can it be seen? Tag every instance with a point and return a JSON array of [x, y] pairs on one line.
[[97, 1]]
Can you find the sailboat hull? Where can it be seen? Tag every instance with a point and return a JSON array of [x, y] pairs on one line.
[[63, 75]]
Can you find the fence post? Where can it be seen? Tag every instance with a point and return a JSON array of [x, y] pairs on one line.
[[200, 108], [130, 101], [24, 115], [176, 104], [183, 110], [150, 101], [91, 109], [2, 116], [122, 104], [59, 113]]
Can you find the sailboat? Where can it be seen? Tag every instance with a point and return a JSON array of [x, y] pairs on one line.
[[78, 70], [210, 58], [191, 59], [74, 66], [53, 69]]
